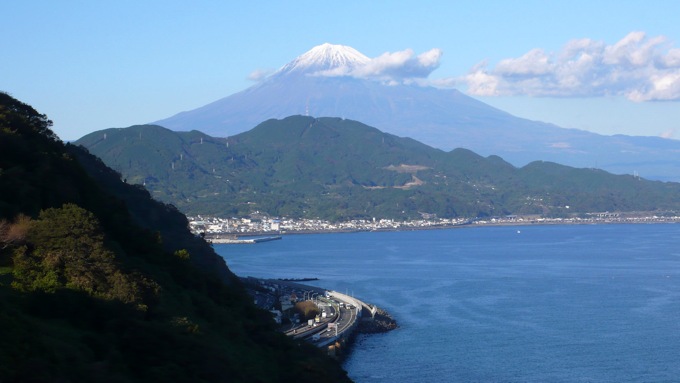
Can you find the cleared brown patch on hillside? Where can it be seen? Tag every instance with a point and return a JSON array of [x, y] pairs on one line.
[[404, 168], [415, 181]]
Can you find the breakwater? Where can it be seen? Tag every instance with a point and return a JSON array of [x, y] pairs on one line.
[[236, 241]]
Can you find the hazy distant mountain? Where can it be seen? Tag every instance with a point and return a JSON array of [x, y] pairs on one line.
[[341, 169], [443, 118]]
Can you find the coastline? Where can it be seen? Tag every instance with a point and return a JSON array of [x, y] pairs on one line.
[[368, 321], [474, 224], [382, 322], [258, 238]]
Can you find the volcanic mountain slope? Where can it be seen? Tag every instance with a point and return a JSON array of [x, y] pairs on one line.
[[321, 82], [341, 169]]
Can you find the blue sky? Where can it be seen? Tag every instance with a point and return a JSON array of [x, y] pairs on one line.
[[606, 66]]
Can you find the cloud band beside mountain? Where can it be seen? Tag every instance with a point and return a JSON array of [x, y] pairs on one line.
[[637, 67], [392, 67]]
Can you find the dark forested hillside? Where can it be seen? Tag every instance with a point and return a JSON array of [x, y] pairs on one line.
[[98, 282], [340, 169]]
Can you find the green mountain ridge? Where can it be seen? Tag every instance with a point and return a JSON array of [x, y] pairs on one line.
[[100, 283], [339, 169]]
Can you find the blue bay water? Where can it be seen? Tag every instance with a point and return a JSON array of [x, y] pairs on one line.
[[597, 303]]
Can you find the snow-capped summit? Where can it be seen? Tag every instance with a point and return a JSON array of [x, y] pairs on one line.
[[327, 59]]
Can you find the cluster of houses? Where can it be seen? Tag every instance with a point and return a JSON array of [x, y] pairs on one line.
[[279, 297], [258, 224], [216, 225]]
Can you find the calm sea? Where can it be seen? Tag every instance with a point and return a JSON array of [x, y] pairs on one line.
[[499, 304]]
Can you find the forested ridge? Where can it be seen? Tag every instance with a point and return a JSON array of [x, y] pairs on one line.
[[337, 169], [99, 282]]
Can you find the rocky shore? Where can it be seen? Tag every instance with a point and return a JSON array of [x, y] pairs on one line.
[[382, 322]]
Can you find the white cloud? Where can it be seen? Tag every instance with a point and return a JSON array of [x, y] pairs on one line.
[[668, 134], [392, 67], [481, 83], [533, 63], [672, 59], [430, 59], [638, 67], [259, 74]]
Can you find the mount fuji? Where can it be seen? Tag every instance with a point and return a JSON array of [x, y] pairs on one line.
[[332, 81]]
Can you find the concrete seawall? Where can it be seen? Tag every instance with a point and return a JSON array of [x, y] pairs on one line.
[[338, 341], [363, 310], [355, 302]]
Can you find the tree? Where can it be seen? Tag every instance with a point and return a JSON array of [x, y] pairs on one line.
[[67, 249], [307, 309], [15, 116], [14, 233]]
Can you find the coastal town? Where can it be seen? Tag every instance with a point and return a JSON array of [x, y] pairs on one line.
[[217, 228]]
